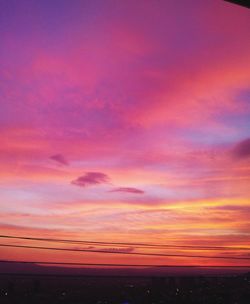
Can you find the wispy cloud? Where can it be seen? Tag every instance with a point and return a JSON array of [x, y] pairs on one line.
[[241, 208], [112, 249], [128, 190], [242, 149], [59, 158], [91, 178]]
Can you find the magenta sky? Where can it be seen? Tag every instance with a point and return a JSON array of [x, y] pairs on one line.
[[125, 121]]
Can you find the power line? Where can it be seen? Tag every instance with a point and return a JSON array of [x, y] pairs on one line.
[[127, 253], [141, 245], [124, 265]]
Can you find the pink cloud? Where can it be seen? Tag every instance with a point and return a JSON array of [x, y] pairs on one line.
[[60, 159], [242, 149], [128, 190], [91, 178]]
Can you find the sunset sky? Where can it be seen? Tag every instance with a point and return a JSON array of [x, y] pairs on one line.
[[125, 121]]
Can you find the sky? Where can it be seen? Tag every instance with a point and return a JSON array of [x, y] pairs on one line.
[[125, 121]]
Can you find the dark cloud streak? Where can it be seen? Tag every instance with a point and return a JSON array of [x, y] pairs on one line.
[[128, 190], [60, 159], [242, 149], [91, 178]]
